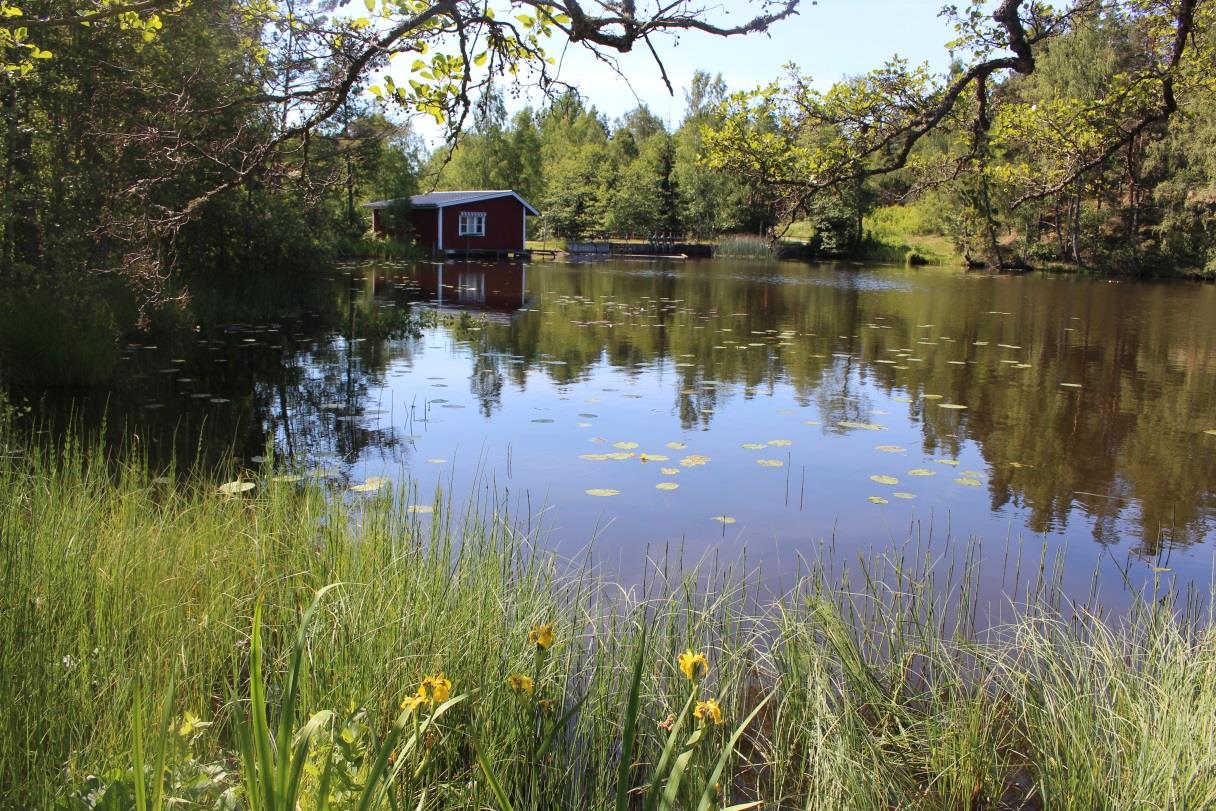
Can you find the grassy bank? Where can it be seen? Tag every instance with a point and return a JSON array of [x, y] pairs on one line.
[[122, 591]]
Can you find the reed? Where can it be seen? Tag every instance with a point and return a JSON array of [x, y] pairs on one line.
[[743, 246]]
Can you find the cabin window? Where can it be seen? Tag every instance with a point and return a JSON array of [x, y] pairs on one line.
[[472, 223]]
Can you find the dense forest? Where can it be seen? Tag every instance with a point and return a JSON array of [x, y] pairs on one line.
[[149, 141]]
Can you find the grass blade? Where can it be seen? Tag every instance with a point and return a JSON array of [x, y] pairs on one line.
[[630, 729], [137, 749]]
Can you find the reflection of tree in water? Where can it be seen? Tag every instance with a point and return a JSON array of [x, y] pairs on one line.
[[1125, 448], [1140, 349], [485, 382], [840, 399], [696, 402]]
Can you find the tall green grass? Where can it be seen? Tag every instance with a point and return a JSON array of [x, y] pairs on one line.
[[875, 687]]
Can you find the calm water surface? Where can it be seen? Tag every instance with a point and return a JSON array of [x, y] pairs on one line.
[[734, 405]]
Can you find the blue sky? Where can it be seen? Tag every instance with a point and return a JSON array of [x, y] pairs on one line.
[[829, 40]]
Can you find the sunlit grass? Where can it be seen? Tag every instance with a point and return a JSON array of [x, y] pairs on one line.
[[558, 689]]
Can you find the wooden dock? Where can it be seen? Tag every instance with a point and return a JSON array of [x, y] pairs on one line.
[[659, 249]]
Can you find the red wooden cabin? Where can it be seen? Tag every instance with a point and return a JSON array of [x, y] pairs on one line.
[[457, 222]]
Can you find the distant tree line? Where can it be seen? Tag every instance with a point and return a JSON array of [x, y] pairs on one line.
[[633, 177], [175, 137]]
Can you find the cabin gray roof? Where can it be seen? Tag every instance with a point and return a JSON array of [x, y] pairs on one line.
[[443, 199]]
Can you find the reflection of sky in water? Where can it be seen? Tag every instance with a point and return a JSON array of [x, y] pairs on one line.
[[535, 368]]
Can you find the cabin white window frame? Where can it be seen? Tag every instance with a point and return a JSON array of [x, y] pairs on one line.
[[471, 224]]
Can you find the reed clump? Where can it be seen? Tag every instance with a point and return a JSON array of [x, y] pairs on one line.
[[299, 646], [744, 246]]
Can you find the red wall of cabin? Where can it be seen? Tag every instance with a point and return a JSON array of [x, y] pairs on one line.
[[504, 226]]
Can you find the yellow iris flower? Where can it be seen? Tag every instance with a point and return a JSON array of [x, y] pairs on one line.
[[435, 689], [413, 702], [694, 666], [520, 683], [708, 710], [541, 636]]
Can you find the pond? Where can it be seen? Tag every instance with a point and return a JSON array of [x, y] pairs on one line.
[[725, 407]]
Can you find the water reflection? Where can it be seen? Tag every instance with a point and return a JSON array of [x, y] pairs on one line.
[[844, 400]]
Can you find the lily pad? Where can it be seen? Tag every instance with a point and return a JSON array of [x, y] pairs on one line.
[[922, 471], [695, 460], [951, 462], [677, 446], [420, 509], [653, 457], [233, 488], [904, 496], [667, 486], [1071, 385], [754, 446], [370, 486], [881, 479], [877, 500], [952, 406], [723, 519], [780, 443], [287, 478], [890, 449], [670, 471], [602, 492], [860, 426], [966, 482], [436, 461], [770, 463], [1210, 432], [625, 446]]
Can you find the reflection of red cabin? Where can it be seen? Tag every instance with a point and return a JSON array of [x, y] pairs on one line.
[[500, 288], [469, 222]]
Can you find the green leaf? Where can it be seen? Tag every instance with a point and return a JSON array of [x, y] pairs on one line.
[[652, 793], [671, 792], [492, 780], [371, 5], [480, 59], [558, 726], [707, 794], [630, 731]]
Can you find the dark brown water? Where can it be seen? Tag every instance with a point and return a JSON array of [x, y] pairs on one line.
[[730, 406]]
